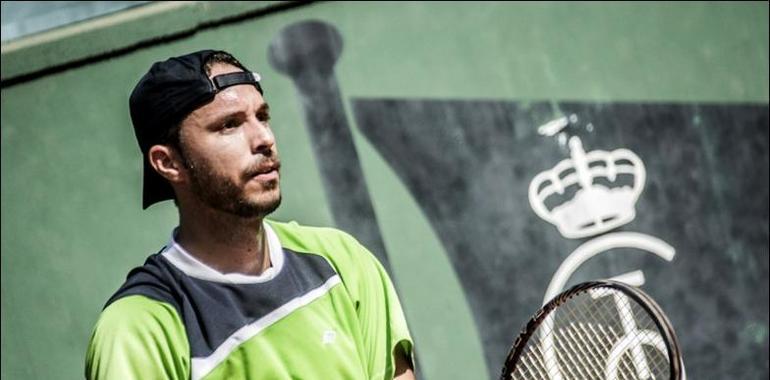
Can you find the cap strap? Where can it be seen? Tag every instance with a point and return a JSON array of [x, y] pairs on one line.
[[231, 79]]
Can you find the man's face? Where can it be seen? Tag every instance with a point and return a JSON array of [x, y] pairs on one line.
[[229, 151]]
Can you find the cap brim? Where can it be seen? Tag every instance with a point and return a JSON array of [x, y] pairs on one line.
[[156, 188]]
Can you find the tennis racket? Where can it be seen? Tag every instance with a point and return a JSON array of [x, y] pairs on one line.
[[596, 330]]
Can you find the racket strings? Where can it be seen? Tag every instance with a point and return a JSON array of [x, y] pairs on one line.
[[599, 334], [569, 342], [591, 346]]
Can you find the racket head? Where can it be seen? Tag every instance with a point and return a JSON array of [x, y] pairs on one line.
[[590, 329]]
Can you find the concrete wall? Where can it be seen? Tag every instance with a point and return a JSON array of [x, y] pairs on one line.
[[441, 104]]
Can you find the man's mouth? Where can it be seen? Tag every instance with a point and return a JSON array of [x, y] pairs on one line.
[[266, 172]]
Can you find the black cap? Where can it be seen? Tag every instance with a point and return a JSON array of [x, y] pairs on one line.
[[165, 96]]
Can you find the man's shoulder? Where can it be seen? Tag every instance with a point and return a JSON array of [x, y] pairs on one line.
[[130, 318], [295, 236], [138, 337], [338, 247], [153, 280], [137, 311]]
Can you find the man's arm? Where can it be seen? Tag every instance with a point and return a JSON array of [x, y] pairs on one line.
[[138, 338], [383, 318], [404, 369]]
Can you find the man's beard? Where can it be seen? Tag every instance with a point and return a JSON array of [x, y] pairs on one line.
[[221, 193]]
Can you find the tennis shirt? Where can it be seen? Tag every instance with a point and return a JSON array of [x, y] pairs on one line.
[[325, 309]]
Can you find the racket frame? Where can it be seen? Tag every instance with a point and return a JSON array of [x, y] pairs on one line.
[[645, 301]]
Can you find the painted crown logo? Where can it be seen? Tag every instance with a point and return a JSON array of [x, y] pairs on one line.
[[600, 202]]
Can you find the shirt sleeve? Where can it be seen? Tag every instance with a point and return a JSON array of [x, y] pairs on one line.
[[382, 319], [138, 338]]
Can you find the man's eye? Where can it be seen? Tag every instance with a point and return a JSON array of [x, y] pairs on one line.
[[229, 124], [263, 116]]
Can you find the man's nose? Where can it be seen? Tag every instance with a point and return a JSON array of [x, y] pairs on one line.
[[260, 137]]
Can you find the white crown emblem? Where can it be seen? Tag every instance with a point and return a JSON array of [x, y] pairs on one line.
[[595, 208]]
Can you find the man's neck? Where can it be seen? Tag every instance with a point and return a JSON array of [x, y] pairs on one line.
[[225, 242]]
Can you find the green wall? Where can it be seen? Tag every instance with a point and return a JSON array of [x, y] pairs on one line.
[[72, 225]]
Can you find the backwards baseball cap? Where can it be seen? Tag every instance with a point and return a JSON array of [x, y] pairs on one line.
[[165, 96]]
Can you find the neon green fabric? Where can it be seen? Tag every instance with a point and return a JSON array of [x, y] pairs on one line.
[[138, 338], [381, 319], [350, 331]]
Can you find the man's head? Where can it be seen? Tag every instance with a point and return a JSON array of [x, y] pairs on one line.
[[202, 126]]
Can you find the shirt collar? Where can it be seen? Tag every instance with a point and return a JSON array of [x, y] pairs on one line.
[[187, 263]]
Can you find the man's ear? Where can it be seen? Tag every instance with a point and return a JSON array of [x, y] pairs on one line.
[[167, 162]]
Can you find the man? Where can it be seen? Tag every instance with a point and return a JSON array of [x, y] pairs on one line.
[[232, 295]]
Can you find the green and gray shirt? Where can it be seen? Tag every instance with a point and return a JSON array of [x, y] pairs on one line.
[[326, 309]]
